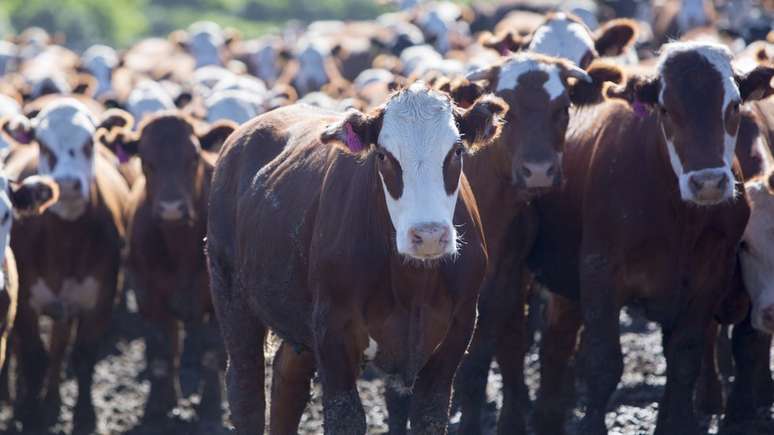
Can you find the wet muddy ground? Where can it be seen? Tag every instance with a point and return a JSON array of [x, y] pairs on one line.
[[120, 392]]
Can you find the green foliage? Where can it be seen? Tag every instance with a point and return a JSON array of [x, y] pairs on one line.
[[121, 22]]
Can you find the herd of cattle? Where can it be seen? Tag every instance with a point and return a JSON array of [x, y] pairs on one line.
[[394, 191]]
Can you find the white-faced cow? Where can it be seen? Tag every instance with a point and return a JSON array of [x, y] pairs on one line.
[[361, 236]]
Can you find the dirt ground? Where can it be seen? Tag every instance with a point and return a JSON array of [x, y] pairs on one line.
[[120, 392]]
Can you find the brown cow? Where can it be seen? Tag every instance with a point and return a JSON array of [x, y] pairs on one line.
[[523, 163], [650, 215], [30, 197], [168, 220], [68, 257], [342, 250]]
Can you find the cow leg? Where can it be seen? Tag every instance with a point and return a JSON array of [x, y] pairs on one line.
[[472, 379], [213, 364], [751, 352], [764, 381], [161, 349], [603, 360], [338, 359], [33, 360], [60, 338], [429, 411], [557, 377], [91, 328], [291, 378], [683, 346], [709, 391], [398, 407], [510, 357]]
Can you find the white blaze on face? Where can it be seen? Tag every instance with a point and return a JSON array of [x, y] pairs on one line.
[[64, 127], [235, 105], [692, 14], [758, 257], [205, 39], [520, 64], [146, 98], [720, 59], [562, 37], [100, 60], [311, 67], [419, 130]]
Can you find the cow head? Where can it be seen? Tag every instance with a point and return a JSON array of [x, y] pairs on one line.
[[756, 251], [420, 139], [697, 95], [566, 36], [64, 132], [171, 152], [539, 91], [100, 61], [693, 14], [206, 41]]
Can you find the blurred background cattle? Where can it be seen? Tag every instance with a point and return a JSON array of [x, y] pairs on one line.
[[112, 118]]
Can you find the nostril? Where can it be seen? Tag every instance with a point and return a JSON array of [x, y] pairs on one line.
[[695, 184], [550, 171], [77, 185], [416, 238], [526, 171], [722, 182]]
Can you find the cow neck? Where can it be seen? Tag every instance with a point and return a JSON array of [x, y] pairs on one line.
[[499, 200], [670, 183]]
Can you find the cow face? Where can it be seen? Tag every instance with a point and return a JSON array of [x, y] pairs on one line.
[[539, 92], [170, 150], [566, 36], [420, 142], [756, 253], [206, 41], [697, 95], [64, 132], [312, 70], [99, 61]]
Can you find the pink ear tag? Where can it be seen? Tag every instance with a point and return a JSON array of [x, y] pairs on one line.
[[123, 157], [640, 111], [353, 141]]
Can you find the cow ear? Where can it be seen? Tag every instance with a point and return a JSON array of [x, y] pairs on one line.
[[122, 142], [356, 131], [505, 43], [33, 195], [615, 36], [183, 99], [179, 38], [231, 35], [19, 128], [637, 90], [481, 123], [465, 92], [756, 85], [583, 92], [217, 134], [487, 74], [85, 84], [113, 118]]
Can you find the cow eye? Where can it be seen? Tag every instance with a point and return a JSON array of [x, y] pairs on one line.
[[459, 152], [380, 155], [6, 216], [743, 246], [735, 107]]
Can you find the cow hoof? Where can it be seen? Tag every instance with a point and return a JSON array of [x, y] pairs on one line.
[[710, 401], [84, 419]]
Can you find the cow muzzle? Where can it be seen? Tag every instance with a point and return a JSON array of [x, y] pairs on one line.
[[764, 319], [171, 211], [430, 240], [70, 188], [710, 186], [537, 176]]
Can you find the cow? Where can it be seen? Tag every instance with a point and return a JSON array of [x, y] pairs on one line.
[[167, 223], [656, 222], [68, 257], [100, 61], [396, 283], [674, 18], [17, 199], [524, 162]]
